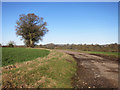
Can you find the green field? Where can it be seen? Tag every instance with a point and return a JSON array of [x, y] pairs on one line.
[[13, 55], [105, 53], [52, 71], [113, 54]]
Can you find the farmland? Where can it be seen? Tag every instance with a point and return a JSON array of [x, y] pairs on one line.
[[59, 45], [105, 53], [13, 55], [55, 68], [49, 69]]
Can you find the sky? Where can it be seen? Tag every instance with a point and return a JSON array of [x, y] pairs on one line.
[[68, 22], [60, 0]]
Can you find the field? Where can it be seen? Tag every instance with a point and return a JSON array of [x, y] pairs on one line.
[[54, 68], [110, 54], [105, 53], [45, 69], [13, 55]]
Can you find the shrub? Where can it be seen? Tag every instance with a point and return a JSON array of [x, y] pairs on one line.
[[11, 44]]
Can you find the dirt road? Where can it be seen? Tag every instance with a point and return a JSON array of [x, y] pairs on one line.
[[94, 71]]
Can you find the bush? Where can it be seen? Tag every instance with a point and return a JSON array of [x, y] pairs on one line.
[[11, 44]]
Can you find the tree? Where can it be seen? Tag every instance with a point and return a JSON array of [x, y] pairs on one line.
[[50, 46], [31, 28], [11, 44]]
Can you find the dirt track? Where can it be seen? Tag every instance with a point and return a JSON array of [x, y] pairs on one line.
[[94, 71]]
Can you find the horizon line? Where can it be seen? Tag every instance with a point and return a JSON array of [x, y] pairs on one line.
[[68, 43]]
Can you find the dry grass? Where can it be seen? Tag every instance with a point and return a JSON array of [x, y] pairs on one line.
[[52, 71]]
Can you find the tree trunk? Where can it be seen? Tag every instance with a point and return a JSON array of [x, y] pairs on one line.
[[31, 41]]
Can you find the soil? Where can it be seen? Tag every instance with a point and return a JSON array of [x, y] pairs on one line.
[[94, 71]]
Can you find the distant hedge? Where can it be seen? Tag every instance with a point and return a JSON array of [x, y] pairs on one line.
[[84, 47]]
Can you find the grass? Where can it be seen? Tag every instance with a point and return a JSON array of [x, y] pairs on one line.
[[112, 54], [13, 55], [52, 71], [104, 53]]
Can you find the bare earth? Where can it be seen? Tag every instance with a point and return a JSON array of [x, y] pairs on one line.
[[94, 71]]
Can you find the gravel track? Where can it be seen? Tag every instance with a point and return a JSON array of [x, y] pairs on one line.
[[94, 71]]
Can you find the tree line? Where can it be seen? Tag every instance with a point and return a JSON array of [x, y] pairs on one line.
[[84, 47]]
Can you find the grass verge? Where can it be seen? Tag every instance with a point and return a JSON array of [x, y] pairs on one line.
[[52, 71]]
